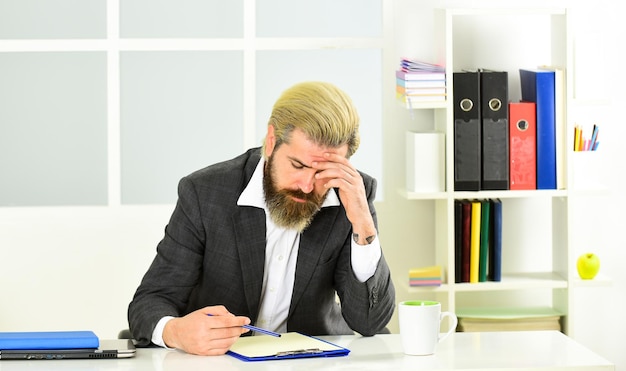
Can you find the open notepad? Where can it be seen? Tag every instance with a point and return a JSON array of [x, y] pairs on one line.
[[289, 345]]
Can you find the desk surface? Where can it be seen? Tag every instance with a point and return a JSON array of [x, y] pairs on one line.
[[527, 350]]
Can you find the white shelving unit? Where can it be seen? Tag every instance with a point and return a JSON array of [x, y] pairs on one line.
[[539, 262]]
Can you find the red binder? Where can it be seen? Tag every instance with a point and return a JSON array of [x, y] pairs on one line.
[[538, 87], [522, 146]]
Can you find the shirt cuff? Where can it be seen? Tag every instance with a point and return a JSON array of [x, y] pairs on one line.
[[157, 334], [365, 259]]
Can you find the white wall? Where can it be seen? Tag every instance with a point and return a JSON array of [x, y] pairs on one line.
[[74, 268], [602, 325], [77, 267]]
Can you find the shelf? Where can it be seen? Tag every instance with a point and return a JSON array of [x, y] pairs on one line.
[[541, 221], [598, 281], [517, 281], [511, 194], [511, 281], [425, 105], [422, 195], [482, 194]]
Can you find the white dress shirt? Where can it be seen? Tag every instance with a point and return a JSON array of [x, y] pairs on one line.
[[281, 255]]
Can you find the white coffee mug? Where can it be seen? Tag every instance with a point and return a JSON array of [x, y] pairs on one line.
[[420, 323]]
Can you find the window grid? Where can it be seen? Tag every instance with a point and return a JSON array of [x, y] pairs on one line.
[[113, 45]]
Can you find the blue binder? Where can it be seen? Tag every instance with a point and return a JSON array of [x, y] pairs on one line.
[[48, 340], [538, 86]]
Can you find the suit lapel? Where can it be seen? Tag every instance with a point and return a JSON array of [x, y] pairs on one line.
[[312, 242], [250, 233]]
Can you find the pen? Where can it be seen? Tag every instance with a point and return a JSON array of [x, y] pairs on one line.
[[594, 138], [257, 329]]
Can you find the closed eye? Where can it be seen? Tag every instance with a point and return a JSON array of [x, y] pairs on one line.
[[297, 164]]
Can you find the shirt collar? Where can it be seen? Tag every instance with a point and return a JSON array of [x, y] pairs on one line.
[[253, 194]]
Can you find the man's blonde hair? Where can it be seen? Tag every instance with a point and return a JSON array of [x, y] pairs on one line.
[[322, 111]]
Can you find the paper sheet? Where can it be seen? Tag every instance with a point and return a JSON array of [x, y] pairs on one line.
[[265, 345]]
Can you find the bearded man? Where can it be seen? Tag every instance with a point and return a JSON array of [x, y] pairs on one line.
[[283, 237]]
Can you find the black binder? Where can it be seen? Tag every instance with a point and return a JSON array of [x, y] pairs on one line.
[[467, 142], [494, 97], [495, 235]]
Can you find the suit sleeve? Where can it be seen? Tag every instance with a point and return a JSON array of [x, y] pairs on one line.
[[367, 306], [166, 287]]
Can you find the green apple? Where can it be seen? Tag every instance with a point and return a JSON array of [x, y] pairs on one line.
[[588, 265]]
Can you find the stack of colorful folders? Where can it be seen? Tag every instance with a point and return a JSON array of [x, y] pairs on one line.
[[426, 276], [419, 82]]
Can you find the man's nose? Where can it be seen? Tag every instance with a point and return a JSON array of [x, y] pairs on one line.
[[307, 182]]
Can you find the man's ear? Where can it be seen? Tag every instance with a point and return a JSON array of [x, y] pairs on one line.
[[270, 140]]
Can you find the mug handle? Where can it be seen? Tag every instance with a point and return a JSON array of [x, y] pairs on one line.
[[452, 328]]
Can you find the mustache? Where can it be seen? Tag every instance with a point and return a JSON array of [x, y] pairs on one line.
[[311, 197]]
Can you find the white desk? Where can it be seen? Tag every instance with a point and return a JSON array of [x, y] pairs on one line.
[[533, 350]]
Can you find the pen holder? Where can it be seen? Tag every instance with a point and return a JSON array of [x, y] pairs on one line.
[[587, 170]]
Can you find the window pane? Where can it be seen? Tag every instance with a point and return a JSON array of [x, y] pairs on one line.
[[52, 19], [53, 134], [180, 111], [320, 18], [357, 72], [181, 18]]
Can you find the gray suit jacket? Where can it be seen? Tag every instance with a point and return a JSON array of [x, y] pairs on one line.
[[213, 253]]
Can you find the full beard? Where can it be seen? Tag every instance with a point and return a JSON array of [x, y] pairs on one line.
[[284, 211]]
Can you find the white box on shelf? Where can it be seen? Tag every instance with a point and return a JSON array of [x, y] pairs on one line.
[[425, 162]]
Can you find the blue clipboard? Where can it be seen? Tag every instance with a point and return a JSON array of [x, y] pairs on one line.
[[289, 346], [48, 340]]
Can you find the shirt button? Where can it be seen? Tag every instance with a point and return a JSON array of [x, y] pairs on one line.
[[280, 257]]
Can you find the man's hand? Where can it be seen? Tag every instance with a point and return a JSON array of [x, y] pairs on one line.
[[199, 333], [339, 173]]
